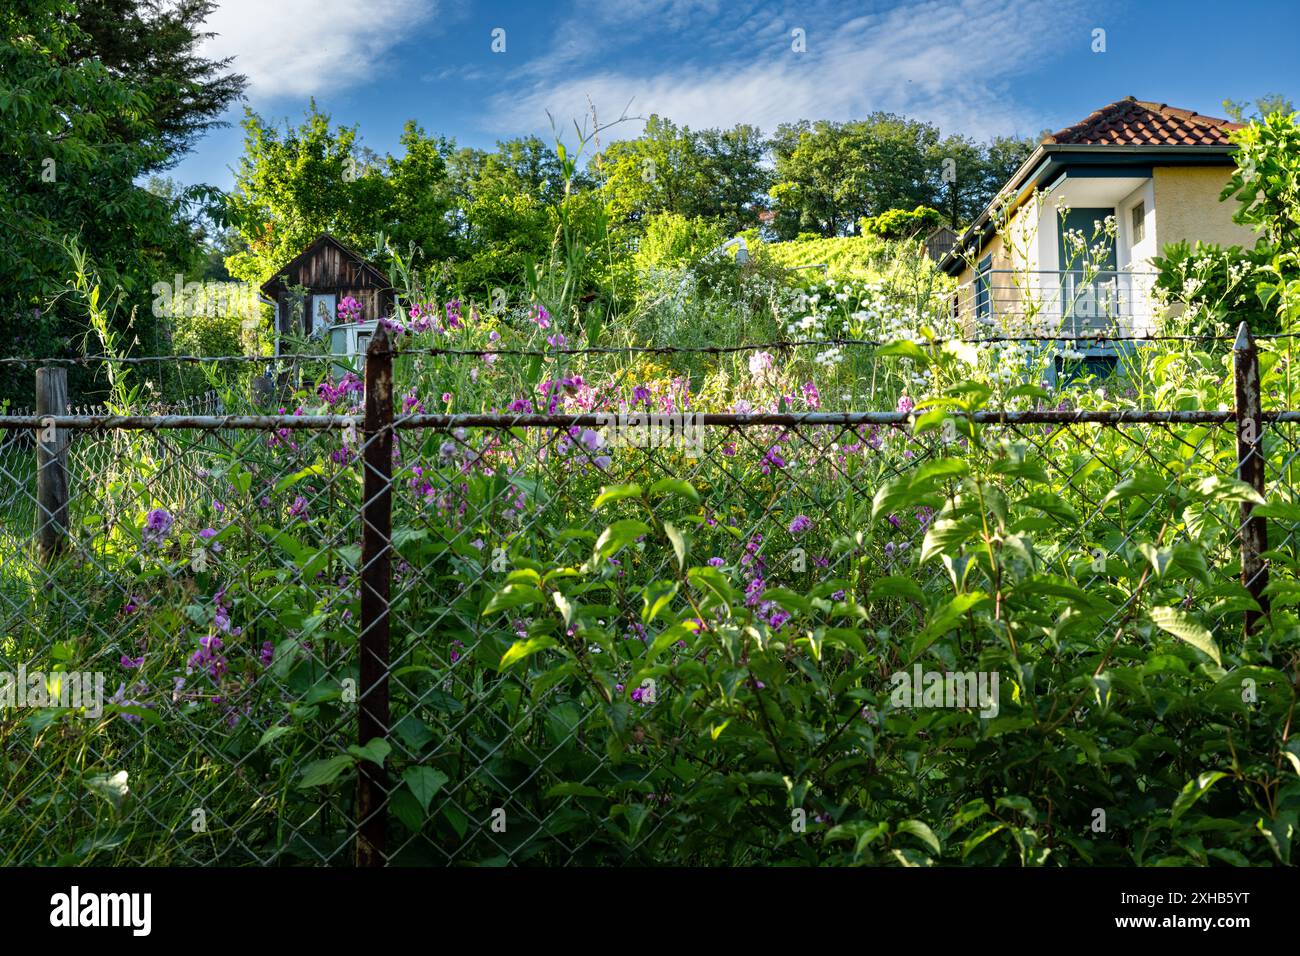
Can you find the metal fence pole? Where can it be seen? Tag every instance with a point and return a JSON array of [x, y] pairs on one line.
[[51, 464], [1250, 469], [376, 530]]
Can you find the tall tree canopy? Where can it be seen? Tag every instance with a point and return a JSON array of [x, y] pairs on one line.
[[80, 123], [831, 175]]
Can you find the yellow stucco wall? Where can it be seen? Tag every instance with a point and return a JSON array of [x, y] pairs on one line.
[[1187, 207], [1005, 296]]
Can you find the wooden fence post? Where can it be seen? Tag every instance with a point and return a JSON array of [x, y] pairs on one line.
[[51, 464], [1250, 469], [376, 531]]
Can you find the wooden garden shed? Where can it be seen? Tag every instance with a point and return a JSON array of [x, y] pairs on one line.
[[329, 272]]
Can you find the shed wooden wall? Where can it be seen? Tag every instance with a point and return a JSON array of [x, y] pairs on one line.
[[329, 270]]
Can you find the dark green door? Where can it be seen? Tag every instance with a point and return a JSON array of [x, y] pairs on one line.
[[1087, 298]]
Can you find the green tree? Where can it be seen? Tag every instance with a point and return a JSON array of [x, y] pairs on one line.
[[421, 202], [1264, 106], [294, 184], [76, 135], [821, 178], [154, 46], [713, 174]]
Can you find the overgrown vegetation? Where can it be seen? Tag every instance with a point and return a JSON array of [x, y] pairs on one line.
[[661, 655]]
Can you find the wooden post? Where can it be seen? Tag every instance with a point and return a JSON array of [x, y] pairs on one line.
[[376, 531], [51, 464], [1250, 469]]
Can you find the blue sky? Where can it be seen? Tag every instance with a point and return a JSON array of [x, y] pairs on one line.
[[979, 68]]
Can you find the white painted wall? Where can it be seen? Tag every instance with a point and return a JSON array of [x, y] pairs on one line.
[[1136, 256]]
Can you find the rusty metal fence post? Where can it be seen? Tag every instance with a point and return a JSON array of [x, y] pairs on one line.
[[1250, 469], [376, 531], [51, 463]]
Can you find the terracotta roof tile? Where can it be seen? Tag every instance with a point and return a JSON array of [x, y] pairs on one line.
[[1132, 122]]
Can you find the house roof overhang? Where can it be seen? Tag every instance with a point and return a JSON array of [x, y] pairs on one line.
[[1050, 163]]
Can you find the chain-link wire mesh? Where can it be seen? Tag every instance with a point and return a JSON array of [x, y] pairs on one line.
[[211, 575], [208, 580]]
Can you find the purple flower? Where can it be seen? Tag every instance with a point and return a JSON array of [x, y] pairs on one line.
[[268, 652], [299, 507], [132, 662], [120, 700], [772, 460], [349, 310], [156, 525], [716, 562], [905, 404], [800, 523]]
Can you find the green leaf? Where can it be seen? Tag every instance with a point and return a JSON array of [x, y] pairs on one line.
[[657, 596], [618, 535], [900, 587], [511, 596], [376, 751], [565, 608], [906, 349], [288, 481], [322, 772], [1227, 490], [946, 536], [923, 833], [678, 542], [273, 733], [111, 786], [617, 493], [945, 619], [712, 579], [675, 486], [574, 790], [862, 832], [521, 649], [792, 601], [424, 783], [1185, 629], [1194, 790]]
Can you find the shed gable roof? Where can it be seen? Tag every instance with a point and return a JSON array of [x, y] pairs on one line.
[[364, 266]]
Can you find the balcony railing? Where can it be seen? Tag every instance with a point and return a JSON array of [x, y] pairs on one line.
[[1075, 303]]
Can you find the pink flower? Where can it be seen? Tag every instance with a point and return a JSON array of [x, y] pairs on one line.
[[349, 310]]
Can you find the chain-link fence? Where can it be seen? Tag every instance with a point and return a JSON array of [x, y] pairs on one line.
[[328, 638]]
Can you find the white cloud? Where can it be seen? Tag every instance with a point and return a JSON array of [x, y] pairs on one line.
[[296, 48], [947, 61]]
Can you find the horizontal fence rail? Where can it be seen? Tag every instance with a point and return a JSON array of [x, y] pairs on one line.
[[292, 611]]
